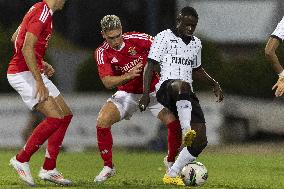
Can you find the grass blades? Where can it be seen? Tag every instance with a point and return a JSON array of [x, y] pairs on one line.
[[227, 168]]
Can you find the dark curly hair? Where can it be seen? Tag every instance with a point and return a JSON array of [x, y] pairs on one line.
[[188, 11]]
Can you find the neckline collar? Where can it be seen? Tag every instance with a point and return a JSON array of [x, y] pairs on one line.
[[121, 47]]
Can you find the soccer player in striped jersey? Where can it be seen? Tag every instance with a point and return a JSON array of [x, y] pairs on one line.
[[120, 60], [178, 53], [270, 51], [28, 74]]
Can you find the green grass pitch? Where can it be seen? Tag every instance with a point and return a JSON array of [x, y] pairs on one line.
[[231, 167]]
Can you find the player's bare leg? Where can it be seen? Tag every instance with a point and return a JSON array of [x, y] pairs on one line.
[[108, 115], [63, 105], [50, 108]]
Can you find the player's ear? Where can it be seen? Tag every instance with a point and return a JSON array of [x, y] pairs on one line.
[[178, 19], [103, 34]]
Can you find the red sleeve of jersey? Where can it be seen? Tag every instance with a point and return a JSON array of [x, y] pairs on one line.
[[104, 67], [149, 41], [143, 39], [38, 21]]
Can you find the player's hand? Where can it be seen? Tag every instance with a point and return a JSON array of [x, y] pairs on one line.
[[41, 91], [48, 69], [135, 71], [279, 86], [218, 92], [144, 102]]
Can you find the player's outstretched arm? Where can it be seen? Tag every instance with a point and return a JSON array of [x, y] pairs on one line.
[[147, 78], [202, 75], [270, 53]]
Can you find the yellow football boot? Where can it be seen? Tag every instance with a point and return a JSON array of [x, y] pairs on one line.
[[189, 137], [173, 180]]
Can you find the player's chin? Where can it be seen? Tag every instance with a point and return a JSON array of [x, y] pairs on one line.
[[188, 34], [116, 47]]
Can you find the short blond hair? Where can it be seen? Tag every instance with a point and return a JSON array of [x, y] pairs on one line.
[[110, 22]]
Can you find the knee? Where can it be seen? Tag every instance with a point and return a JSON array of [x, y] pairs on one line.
[[166, 116], [104, 121]]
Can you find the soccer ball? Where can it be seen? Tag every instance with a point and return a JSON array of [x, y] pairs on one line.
[[194, 174]]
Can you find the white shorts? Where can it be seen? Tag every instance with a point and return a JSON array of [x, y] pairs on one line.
[[127, 103], [25, 84]]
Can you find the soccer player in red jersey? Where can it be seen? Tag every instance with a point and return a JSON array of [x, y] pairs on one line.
[[28, 74], [121, 59]]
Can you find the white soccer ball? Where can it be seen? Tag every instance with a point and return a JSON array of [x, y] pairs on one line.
[[194, 174]]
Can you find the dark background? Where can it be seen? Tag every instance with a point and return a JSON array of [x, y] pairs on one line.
[[79, 21]]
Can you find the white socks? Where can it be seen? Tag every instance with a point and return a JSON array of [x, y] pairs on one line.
[[183, 159], [184, 113]]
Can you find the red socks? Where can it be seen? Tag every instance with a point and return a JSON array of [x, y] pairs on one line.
[[40, 134], [54, 144], [54, 130], [105, 142], [174, 139]]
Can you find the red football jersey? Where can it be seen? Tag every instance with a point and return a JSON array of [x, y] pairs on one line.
[[117, 62], [38, 20]]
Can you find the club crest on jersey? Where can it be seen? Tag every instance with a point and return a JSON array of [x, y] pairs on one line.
[[132, 51], [113, 60]]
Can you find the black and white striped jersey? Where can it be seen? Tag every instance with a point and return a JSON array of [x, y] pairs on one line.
[[176, 58], [279, 30]]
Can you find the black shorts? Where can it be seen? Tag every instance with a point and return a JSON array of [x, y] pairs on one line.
[[164, 98]]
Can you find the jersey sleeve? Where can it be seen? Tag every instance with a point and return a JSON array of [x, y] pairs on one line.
[[197, 60], [279, 30], [158, 48], [38, 21], [147, 42], [104, 67]]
